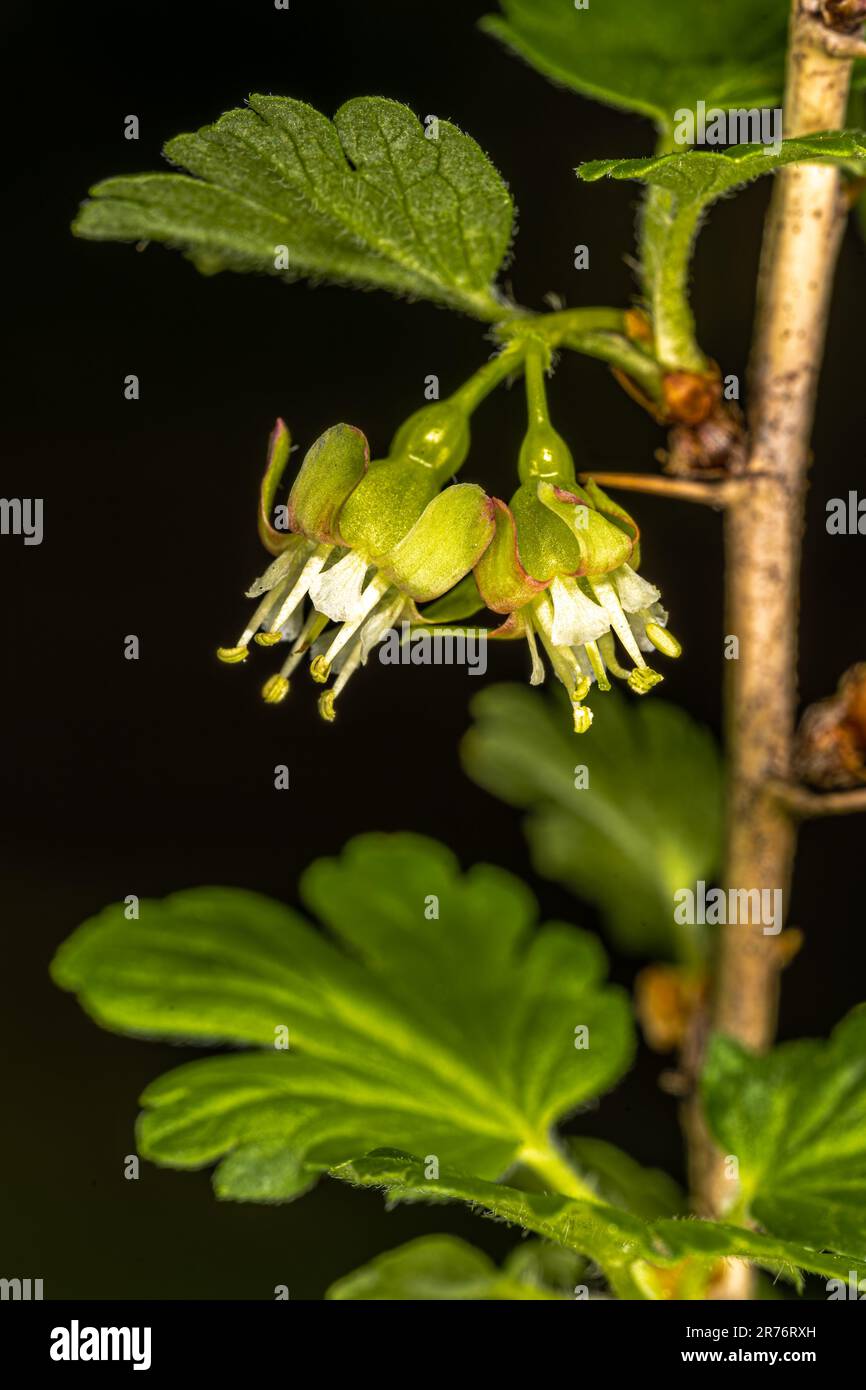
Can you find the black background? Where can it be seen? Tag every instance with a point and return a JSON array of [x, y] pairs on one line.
[[143, 777]]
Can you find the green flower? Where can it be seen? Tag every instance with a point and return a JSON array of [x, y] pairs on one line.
[[563, 566], [367, 542]]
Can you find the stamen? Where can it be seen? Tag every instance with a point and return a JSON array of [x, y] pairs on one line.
[[642, 680], [320, 669], [255, 622], [582, 717], [232, 655], [663, 641], [562, 659], [595, 661], [275, 690], [369, 598], [301, 587], [326, 706], [268, 639], [608, 651], [606, 594]]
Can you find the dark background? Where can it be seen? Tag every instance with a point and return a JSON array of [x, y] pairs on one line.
[[143, 777]]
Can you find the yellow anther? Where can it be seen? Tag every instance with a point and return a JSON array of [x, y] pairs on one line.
[[328, 706], [582, 717], [320, 669], [663, 641], [581, 689], [268, 639], [275, 690], [642, 679], [231, 655]]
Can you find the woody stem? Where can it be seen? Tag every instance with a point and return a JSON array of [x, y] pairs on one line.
[[763, 528]]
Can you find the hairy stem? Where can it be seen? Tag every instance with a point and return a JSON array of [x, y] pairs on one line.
[[763, 530]]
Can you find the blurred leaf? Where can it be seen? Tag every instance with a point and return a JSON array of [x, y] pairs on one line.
[[620, 1180], [450, 1032], [437, 1268], [648, 823], [796, 1121], [367, 199], [640, 1259], [653, 58]]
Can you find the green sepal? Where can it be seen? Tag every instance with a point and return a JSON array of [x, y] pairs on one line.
[[615, 513], [330, 472], [460, 602], [503, 582], [603, 545], [279, 448], [434, 437], [385, 506], [546, 546], [448, 538]]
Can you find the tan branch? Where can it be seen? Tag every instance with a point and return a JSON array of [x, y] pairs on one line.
[[763, 530], [806, 804], [716, 495]]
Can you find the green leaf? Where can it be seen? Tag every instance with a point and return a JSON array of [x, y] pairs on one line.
[[699, 177], [434, 1018], [649, 821], [683, 185], [640, 1259], [796, 1121], [368, 200], [653, 58], [438, 1268]]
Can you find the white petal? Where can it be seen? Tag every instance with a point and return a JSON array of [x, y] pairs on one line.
[[537, 675], [338, 591], [279, 569], [576, 619], [633, 592], [379, 622]]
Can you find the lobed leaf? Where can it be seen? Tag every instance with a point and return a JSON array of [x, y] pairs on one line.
[[640, 1259], [649, 821], [796, 1121], [656, 58], [443, 1268], [367, 199], [451, 1034]]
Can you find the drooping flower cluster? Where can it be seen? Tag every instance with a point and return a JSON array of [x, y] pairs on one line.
[[364, 543], [367, 541], [563, 567]]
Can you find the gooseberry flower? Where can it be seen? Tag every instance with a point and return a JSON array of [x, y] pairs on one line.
[[563, 566], [366, 543]]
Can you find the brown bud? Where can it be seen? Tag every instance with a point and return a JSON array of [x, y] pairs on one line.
[[830, 746], [666, 999], [845, 16], [716, 448], [689, 397], [638, 327]]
